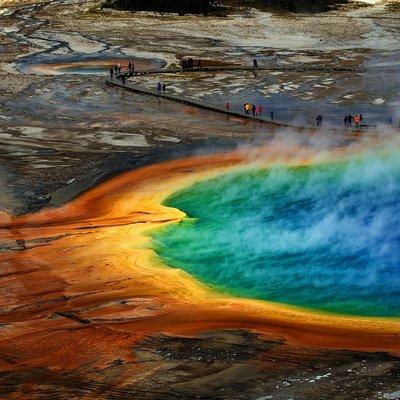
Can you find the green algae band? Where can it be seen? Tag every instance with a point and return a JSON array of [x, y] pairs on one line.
[[323, 236]]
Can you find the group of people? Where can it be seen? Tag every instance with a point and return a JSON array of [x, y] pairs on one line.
[[161, 88], [252, 109], [319, 119], [349, 119], [188, 63], [116, 71], [131, 67]]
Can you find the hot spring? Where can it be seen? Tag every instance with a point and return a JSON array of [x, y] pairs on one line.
[[322, 236], [85, 66]]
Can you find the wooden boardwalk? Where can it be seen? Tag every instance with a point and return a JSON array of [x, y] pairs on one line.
[[203, 105], [222, 109], [238, 68]]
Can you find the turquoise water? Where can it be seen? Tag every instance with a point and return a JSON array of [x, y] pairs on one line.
[[325, 237]]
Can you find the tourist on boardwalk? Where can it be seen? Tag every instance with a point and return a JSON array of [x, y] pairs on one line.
[[227, 106], [111, 73], [357, 121], [255, 63], [198, 64], [164, 88], [349, 120], [159, 87], [253, 110], [123, 77], [130, 66], [247, 108], [272, 115], [346, 121], [259, 110], [119, 68], [116, 70], [319, 120]]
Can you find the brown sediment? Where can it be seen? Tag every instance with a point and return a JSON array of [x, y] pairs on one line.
[[86, 268]]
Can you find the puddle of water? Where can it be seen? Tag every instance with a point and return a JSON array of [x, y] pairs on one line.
[[99, 66]]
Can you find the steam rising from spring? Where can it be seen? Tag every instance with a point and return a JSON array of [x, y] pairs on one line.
[[324, 236]]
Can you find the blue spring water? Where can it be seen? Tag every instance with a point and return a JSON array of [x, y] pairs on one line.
[[325, 237]]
